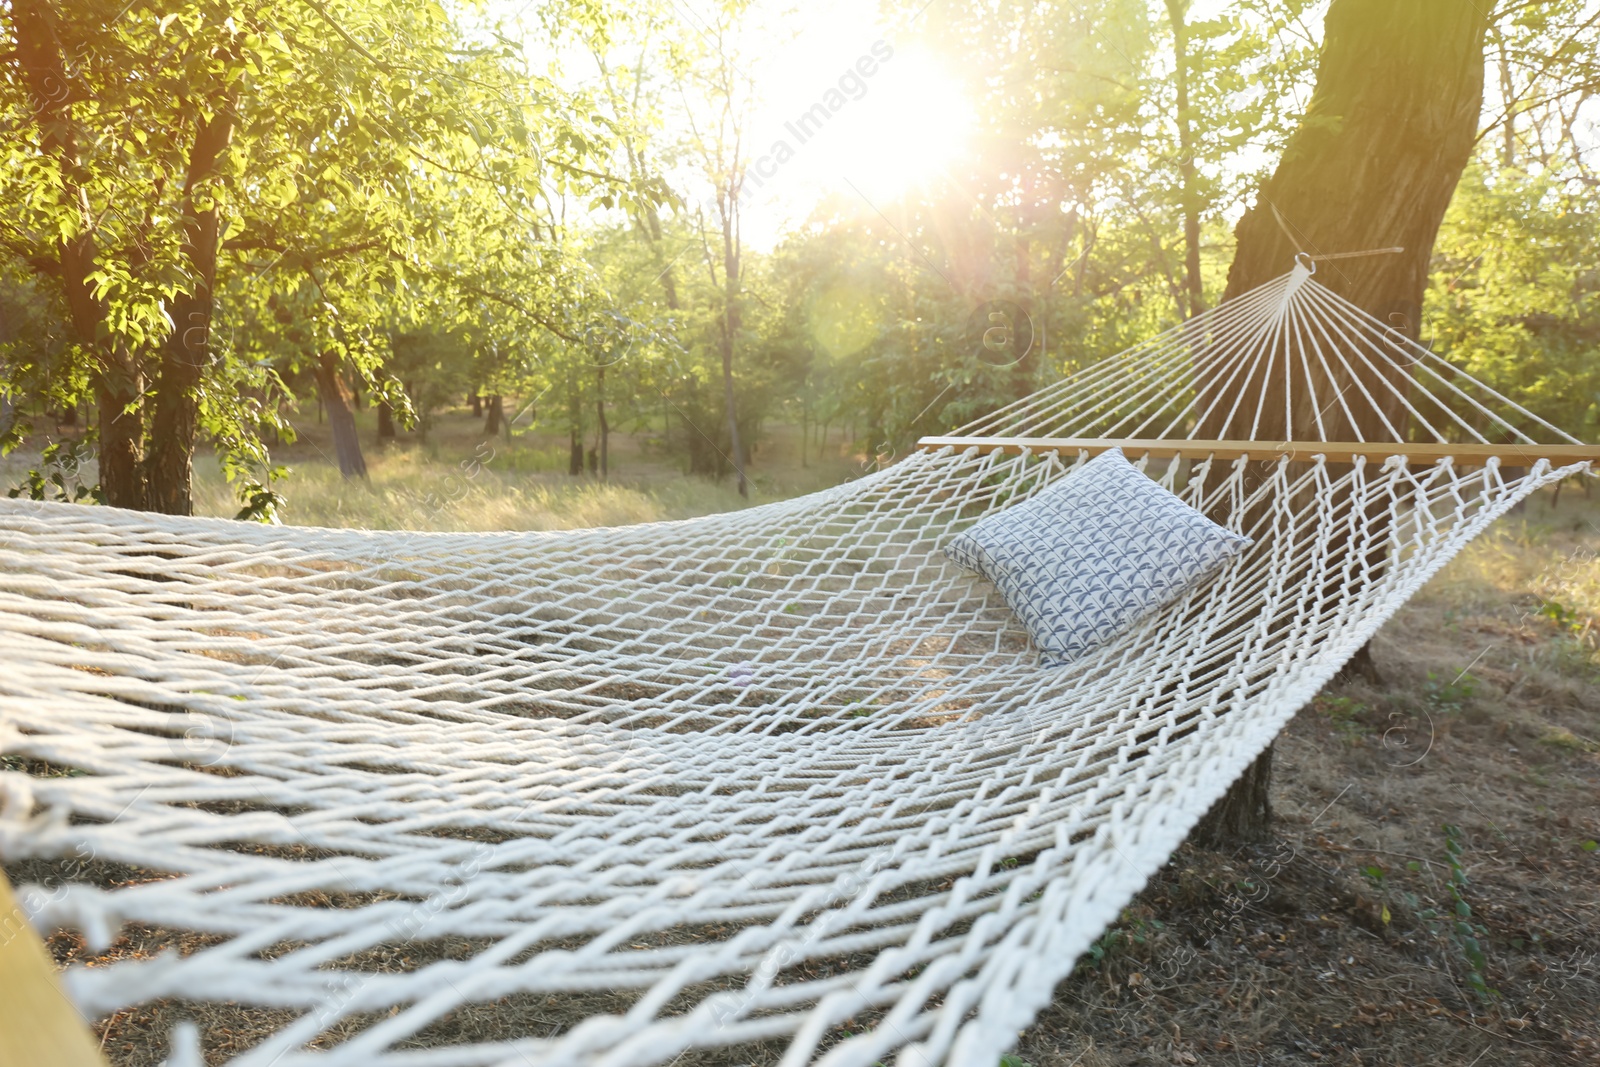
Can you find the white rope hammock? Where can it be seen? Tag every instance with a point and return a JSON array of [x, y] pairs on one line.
[[758, 775]]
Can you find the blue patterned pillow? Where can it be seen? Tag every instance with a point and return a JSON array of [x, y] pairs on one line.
[[1085, 559]]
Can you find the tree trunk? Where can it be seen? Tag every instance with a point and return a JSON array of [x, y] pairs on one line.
[[385, 422], [496, 407], [341, 419], [1390, 127], [730, 329], [805, 430], [575, 452], [8, 410], [605, 427], [1022, 365], [118, 382], [187, 350], [1244, 814], [477, 405], [1389, 130], [121, 441], [1177, 10], [1508, 126], [8, 404]]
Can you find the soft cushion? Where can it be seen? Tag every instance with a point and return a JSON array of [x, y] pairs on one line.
[[1083, 560]]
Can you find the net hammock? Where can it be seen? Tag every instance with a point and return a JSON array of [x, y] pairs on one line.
[[783, 775]]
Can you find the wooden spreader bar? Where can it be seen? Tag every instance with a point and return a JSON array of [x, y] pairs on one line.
[[1335, 451]]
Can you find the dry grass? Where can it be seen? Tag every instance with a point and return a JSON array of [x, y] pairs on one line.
[[457, 479]]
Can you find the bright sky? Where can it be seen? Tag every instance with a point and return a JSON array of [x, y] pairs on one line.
[[886, 134], [842, 107], [846, 108]]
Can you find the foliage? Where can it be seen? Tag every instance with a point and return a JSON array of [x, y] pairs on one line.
[[1134, 931], [1467, 935], [1515, 298], [291, 182], [1346, 715], [1448, 697], [60, 476], [436, 202]]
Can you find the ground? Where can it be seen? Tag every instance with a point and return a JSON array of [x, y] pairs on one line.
[[1431, 894], [1339, 941]]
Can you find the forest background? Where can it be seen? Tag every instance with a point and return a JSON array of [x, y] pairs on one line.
[[348, 257]]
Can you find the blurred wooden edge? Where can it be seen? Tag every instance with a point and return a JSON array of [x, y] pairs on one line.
[[39, 1027], [1335, 451]]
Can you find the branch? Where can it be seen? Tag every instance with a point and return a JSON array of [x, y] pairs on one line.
[[588, 173], [1511, 105], [516, 305], [322, 12], [301, 257]]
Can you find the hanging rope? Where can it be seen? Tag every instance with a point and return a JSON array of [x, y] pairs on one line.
[[1301, 256]]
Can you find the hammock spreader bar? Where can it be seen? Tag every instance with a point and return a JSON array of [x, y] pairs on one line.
[[1333, 451]]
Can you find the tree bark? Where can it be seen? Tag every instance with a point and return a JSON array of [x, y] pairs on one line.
[[1023, 365], [1389, 129], [117, 381], [1508, 127], [1177, 11], [341, 419], [605, 427], [8, 409], [121, 443], [1244, 814], [805, 430], [730, 332], [496, 418], [187, 350], [385, 422]]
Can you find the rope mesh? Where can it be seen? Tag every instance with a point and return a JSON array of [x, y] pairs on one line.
[[758, 774]]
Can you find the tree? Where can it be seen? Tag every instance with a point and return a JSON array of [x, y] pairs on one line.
[[1194, 288], [170, 160], [1373, 164], [1515, 297], [719, 135]]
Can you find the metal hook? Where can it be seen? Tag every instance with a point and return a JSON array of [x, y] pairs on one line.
[[1306, 260]]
